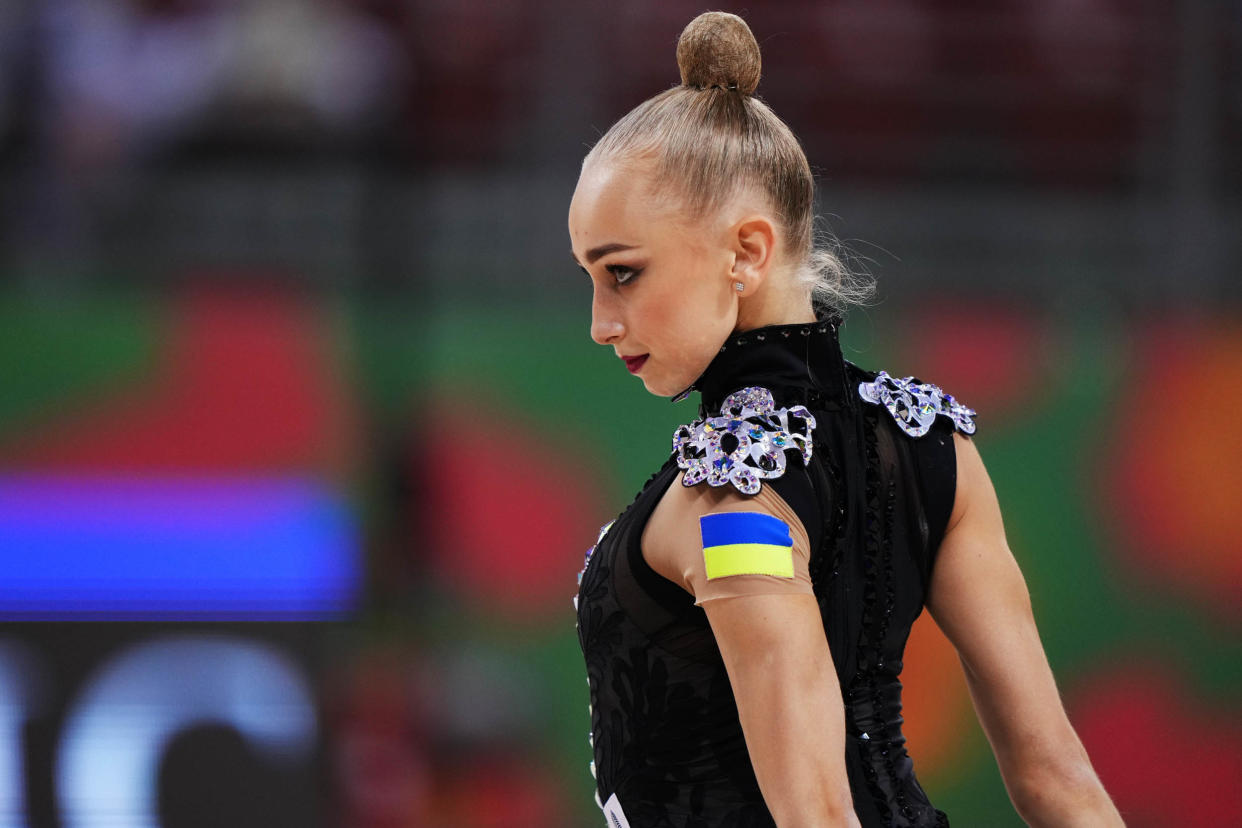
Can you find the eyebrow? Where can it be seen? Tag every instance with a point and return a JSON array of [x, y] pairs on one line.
[[603, 250]]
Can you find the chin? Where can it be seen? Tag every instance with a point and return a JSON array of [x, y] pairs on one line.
[[663, 388], [655, 387]]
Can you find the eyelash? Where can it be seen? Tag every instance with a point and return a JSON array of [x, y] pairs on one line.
[[617, 269]]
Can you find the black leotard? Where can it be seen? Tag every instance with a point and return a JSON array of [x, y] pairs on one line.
[[875, 500]]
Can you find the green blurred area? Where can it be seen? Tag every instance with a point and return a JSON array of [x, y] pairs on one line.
[[539, 366], [56, 354], [1043, 462]]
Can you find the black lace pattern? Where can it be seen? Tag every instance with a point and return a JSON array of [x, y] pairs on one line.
[[665, 735]]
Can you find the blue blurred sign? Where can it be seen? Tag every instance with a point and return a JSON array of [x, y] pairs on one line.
[[175, 548]]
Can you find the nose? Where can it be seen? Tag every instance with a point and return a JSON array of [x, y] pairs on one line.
[[606, 325]]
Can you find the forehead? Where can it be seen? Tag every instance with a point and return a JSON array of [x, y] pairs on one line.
[[613, 202], [630, 202]]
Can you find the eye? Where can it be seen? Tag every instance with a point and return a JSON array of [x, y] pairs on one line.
[[622, 273]]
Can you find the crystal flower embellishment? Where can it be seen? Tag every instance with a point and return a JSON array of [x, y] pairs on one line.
[[746, 443], [914, 405]]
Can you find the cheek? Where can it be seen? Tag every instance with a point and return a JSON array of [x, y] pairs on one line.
[[660, 312], [690, 321], [703, 307], [651, 310]]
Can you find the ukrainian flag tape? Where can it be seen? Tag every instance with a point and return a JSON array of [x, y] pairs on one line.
[[746, 543]]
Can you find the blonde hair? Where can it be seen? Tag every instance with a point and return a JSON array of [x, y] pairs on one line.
[[710, 139]]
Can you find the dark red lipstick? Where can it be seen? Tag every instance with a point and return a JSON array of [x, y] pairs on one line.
[[635, 363]]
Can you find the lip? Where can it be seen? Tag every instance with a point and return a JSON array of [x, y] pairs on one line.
[[635, 363]]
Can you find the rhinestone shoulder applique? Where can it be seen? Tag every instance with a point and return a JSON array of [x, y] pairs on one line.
[[914, 405], [746, 443]]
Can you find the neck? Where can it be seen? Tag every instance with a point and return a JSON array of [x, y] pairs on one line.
[[774, 303]]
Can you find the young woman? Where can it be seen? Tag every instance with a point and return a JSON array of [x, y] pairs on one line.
[[743, 620]]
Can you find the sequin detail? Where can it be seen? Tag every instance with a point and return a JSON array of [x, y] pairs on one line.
[[746, 443], [914, 405], [586, 561]]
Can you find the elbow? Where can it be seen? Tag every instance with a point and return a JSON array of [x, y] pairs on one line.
[[1070, 794], [832, 809]]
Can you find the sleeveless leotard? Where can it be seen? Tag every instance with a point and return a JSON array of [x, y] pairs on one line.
[[874, 497]]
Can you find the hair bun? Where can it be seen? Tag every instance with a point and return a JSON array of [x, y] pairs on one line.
[[718, 49]]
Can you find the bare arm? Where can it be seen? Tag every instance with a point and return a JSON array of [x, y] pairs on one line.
[[777, 657], [979, 599], [789, 703]]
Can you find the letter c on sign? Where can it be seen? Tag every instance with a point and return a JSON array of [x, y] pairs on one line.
[[116, 732]]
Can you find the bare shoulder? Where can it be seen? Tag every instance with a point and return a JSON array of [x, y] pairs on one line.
[[974, 552], [974, 490], [674, 520], [671, 539]]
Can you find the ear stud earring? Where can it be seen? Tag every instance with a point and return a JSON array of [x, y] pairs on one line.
[[739, 286]]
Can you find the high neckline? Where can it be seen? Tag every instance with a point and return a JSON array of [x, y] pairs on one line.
[[782, 358]]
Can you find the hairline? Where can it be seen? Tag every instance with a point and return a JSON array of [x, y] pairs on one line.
[[669, 193]]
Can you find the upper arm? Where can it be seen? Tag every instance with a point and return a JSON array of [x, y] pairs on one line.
[[771, 638], [673, 542], [788, 701], [979, 599]]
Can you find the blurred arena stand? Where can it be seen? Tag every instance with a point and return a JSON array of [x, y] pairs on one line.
[[302, 435]]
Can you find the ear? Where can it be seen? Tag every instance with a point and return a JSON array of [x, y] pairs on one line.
[[753, 240]]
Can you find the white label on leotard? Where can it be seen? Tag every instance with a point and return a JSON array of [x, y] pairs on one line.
[[616, 816]]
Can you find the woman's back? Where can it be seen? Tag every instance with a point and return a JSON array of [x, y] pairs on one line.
[[874, 501]]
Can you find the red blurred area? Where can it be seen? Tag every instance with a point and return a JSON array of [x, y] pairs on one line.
[[988, 356], [380, 747], [499, 792], [246, 381], [1167, 757], [1171, 489], [510, 511]]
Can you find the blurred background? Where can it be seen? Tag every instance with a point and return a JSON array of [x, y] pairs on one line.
[[303, 438]]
